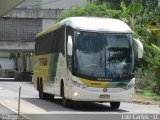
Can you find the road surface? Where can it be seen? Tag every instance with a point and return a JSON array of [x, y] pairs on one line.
[[36, 109]]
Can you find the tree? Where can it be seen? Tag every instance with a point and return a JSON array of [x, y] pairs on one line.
[[149, 5], [90, 10], [15, 57], [129, 14], [114, 4]]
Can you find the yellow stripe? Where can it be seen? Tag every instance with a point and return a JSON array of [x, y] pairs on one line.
[[97, 84]]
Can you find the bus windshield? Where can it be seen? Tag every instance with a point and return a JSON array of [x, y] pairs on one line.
[[103, 54]]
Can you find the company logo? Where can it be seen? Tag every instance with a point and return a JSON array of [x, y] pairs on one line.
[[105, 89], [104, 79]]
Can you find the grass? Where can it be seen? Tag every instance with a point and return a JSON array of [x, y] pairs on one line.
[[146, 95], [149, 93]]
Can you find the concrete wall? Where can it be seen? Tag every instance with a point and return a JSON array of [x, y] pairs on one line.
[[58, 6], [15, 29], [19, 27], [51, 4], [46, 23], [31, 17], [4, 54], [6, 63], [16, 46], [31, 4], [62, 4], [34, 13]]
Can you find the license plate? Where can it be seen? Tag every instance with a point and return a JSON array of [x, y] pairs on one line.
[[104, 96]]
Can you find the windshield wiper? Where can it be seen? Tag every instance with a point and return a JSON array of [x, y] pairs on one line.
[[129, 75]]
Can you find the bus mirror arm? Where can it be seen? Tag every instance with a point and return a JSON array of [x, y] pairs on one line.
[[69, 46], [140, 48]]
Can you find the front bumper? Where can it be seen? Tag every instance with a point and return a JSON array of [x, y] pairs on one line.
[[117, 94]]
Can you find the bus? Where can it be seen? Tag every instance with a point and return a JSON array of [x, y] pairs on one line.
[[86, 59]]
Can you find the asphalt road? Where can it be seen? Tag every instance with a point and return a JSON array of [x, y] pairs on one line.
[[36, 109]]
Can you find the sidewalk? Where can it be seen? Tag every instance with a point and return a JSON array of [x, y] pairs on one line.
[[5, 110], [7, 79]]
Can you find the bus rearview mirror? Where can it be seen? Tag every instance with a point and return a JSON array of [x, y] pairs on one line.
[[69, 45], [140, 48]]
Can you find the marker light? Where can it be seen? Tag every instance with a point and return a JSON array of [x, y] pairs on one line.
[[131, 95], [75, 94]]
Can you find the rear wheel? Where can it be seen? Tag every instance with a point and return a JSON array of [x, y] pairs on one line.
[[38, 84], [42, 95], [115, 105]]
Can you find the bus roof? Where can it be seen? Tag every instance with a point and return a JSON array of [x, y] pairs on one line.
[[92, 24]]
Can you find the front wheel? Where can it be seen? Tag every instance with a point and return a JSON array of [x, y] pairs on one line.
[[115, 105], [65, 101]]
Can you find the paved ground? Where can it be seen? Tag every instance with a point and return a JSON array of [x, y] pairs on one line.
[[4, 110], [34, 108]]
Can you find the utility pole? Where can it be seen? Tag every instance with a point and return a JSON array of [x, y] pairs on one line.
[[19, 100]]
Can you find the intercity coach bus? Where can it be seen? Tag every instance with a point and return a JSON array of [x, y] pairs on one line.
[[86, 59]]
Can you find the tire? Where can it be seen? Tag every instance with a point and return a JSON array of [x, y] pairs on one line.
[[50, 97], [42, 95], [115, 105], [65, 101], [38, 84], [41, 91]]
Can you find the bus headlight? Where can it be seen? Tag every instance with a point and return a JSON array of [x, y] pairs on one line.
[[129, 86], [80, 85]]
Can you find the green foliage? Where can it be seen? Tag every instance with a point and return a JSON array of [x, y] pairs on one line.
[[148, 93], [135, 8], [151, 41], [14, 56], [124, 16], [149, 5], [90, 10], [129, 14]]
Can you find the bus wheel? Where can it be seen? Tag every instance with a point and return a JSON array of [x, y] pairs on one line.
[[38, 84], [115, 105], [65, 101], [41, 93]]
